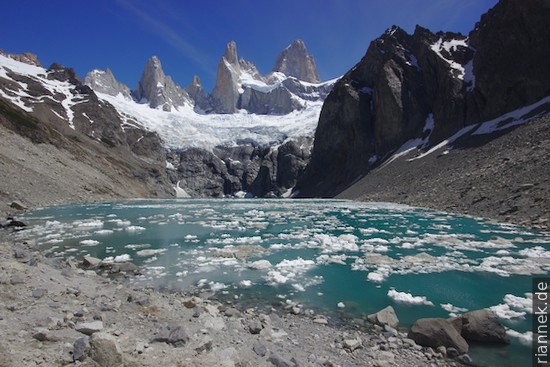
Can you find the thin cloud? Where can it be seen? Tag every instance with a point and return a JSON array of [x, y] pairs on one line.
[[173, 38]]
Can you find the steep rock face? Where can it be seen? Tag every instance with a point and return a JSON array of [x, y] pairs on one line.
[[197, 94], [510, 71], [384, 101], [226, 93], [416, 90], [158, 89], [261, 171], [25, 57], [239, 84], [103, 81], [53, 106], [277, 101], [295, 61]]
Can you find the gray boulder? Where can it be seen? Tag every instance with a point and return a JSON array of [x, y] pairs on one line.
[[90, 261], [435, 332], [18, 205], [279, 361], [81, 348], [105, 351], [384, 317], [172, 334], [483, 326]]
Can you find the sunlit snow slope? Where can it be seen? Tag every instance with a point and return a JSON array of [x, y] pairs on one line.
[[185, 128]]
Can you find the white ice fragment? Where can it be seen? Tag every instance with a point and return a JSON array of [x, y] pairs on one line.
[[150, 252], [260, 265], [89, 242], [122, 258], [134, 229], [525, 338], [403, 297], [504, 312]]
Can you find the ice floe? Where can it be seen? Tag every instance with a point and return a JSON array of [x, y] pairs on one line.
[[403, 297]]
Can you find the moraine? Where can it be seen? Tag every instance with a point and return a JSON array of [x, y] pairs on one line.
[[346, 258]]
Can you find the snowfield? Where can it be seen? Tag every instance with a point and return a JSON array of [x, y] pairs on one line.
[[184, 128]]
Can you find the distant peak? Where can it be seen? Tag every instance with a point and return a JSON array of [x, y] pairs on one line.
[[196, 80], [297, 43], [155, 62], [295, 61], [231, 53], [25, 57]]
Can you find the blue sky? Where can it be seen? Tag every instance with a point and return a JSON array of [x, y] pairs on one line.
[[189, 37]]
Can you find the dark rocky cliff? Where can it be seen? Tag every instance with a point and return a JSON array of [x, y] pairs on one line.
[[427, 86], [58, 111]]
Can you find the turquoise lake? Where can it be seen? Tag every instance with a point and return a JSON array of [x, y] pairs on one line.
[[341, 258]]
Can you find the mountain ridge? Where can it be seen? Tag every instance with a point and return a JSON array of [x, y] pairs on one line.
[[202, 143], [425, 87], [239, 84]]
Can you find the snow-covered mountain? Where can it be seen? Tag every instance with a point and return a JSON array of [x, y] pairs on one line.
[[222, 143], [244, 105], [412, 92], [106, 156]]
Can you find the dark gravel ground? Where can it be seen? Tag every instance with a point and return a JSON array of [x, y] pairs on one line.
[[502, 176]]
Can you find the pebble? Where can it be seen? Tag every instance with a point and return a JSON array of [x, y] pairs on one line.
[[89, 328]]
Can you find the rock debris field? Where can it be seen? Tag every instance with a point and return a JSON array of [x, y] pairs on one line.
[[54, 312]]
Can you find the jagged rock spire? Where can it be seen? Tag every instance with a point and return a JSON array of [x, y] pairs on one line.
[[103, 81], [159, 89], [226, 93], [295, 61]]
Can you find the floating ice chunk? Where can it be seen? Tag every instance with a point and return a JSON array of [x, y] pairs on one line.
[[260, 265], [537, 251], [217, 286], [452, 310], [246, 283], [190, 237], [276, 277], [331, 259], [296, 264], [504, 312], [136, 246], [123, 223], [341, 305], [299, 287], [104, 232], [344, 242], [89, 223], [134, 229], [408, 298], [89, 242], [525, 338], [519, 303], [122, 258], [376, 240], [150, 252], [376, 277]]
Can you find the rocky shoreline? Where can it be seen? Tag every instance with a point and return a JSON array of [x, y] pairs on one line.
[[54, 312]]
